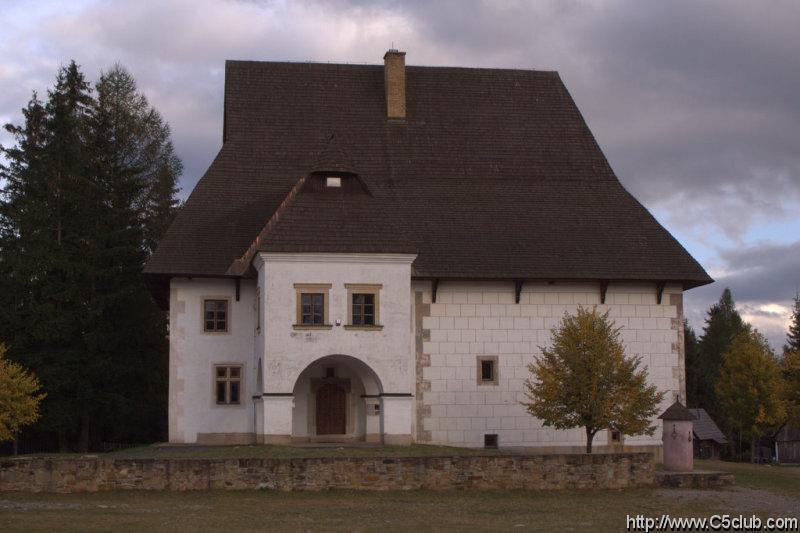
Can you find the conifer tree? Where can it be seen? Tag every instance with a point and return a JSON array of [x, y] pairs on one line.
[[722, 325], [793, 335], [136, 172], [44, 213], [691, 351], [88, 190], [790, 372]]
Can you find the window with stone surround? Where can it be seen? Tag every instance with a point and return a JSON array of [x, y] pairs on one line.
[[363, 309], [363, 306], [312, 305], [215, 316], [228, 384], [487, 370]]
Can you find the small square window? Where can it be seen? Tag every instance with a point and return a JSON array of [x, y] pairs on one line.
[[487, 370], [616, 436], [228, 385], [490, 440], [333, 181]]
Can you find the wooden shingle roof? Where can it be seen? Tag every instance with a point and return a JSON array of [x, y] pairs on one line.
[[677, 411], [492, 175], [705, 428]]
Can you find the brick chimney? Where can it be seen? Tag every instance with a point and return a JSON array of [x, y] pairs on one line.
[[394, 80]]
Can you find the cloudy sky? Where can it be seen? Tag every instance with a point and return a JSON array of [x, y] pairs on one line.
[[696, 104]]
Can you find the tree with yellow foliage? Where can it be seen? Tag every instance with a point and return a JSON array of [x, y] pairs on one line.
[[19, 401], [585, 380], [749, 390]]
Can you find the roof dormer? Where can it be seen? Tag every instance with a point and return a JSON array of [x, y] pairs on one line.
[[333, 170]]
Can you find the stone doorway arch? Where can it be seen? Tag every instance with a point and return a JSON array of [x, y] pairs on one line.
[[337, 398]]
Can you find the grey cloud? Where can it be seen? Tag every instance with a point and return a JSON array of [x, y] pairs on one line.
[[694, 103], [757, 275]]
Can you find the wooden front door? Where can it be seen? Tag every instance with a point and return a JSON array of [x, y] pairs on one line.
[[331, 407]]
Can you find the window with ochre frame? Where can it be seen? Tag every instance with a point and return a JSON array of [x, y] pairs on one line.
[[312, 305], [363, 306]]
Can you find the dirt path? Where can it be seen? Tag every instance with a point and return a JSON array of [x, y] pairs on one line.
[[736, 500]]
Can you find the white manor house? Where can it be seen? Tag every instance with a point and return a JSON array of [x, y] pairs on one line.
[[377, 252]]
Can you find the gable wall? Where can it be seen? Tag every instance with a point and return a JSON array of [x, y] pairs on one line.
[[481, 319]]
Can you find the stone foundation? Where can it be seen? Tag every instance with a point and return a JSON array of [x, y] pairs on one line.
[[529, 472]]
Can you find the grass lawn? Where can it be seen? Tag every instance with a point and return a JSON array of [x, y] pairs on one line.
[[763, 490], [778, 479]]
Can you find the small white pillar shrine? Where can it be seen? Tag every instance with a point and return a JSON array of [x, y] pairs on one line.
[[677, 438]]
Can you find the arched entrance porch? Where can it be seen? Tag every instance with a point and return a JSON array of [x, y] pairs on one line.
[[337, 399]]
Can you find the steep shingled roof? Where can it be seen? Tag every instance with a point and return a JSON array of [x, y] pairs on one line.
[[677, 411], [705, 428], [493, 175]]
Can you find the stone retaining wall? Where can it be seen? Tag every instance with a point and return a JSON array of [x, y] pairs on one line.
[[531, 472]]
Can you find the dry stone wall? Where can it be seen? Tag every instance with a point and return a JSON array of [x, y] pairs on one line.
[[530, 472]]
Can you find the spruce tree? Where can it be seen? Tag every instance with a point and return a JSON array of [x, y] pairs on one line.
[[722, 325], [44, 208], [691, 350], [793, 336]]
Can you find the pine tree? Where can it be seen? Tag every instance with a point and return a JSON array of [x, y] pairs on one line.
[[793, 336], [585, 380], [722, 325]]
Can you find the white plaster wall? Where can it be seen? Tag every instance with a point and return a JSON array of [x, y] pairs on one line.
[[472, 319], [287, 352], [193, 354]]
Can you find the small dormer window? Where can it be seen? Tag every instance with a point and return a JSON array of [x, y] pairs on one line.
[[333, 181]]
